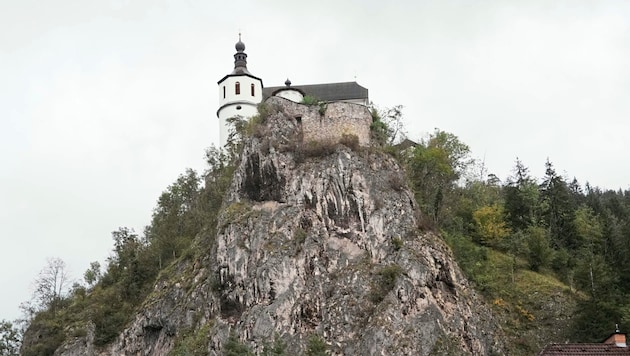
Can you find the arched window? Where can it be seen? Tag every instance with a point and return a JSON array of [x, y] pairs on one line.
[[252, 88], [237, 88], [224, 92]]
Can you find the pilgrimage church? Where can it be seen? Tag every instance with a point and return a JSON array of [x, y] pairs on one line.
[[240, 92]]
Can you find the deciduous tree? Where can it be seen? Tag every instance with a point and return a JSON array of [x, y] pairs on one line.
[[10, 339], [51, 284]]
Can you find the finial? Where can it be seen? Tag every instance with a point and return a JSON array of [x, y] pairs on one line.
[[240, 46], [617, 328], [287, 82]]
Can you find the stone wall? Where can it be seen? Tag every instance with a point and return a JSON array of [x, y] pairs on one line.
[[329, 122]]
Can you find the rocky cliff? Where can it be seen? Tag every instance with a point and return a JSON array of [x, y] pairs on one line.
[[316, 240]]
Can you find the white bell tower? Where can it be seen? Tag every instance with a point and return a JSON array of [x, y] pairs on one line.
[[239, 92]]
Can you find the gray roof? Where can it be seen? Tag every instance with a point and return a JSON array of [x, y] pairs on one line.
[[325, 92]]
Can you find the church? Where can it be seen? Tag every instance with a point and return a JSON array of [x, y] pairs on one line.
[[240, 92]]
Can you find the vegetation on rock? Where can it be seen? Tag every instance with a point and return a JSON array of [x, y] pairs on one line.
[[537, 250]]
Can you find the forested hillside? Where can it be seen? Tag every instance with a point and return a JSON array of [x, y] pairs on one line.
[[552, 225], [533, 246]]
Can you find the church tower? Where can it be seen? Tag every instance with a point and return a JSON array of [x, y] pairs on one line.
[[239, 92]]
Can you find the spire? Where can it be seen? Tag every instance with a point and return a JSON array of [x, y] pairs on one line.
[[240, 58]]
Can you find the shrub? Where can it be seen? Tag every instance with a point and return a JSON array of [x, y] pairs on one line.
[[265, 110], [299, 236], [398, 243], [278, 348], [396, 181], [317, 149], [351, 141], [233, 347], [193, 343], [384, 282], [316, 346], [322, 108], [310, 100]]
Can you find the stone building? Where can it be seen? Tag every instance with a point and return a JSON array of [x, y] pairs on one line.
[[345, 112]]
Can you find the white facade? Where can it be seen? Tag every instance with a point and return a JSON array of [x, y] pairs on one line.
[[239, 95], [291, 94]]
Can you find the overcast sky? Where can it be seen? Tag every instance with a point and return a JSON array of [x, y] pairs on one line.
[[104, 103]]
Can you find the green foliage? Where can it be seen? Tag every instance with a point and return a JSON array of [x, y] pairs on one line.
[[193, 343], [384, 282], [115, 293], [47, 328], [265, 111], [93, 274], [557, 209], [316, 346], [489, 223], [387, 126], [309, 100], [379, 130], [10, 339], [316, 149], [397, 242], [177, 218], [235, 212], [434, 168], [533, 307], [234, 347], [521, 198], [322, 108], [278, 348], [539, 252], [299, 236]]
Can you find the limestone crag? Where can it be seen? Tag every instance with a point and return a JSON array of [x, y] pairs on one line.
[[314, 241]]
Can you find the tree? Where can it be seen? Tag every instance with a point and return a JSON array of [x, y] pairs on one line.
[[490, 224], [435, 166], [589, 234], [557, 208], [10, 339], [521, 198], [51, 284], [177, 217], [387, 124], [539, 251], [93, 274]]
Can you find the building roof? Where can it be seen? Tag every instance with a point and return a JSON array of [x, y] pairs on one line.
[[584, 350], [325, 92], [240, 62]]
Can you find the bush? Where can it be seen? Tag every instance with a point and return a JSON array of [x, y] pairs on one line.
[[277, 349], [316, 346], [398, 243], [233, 347], [310, 100], [384, 282], [351, 141], [317, 149]]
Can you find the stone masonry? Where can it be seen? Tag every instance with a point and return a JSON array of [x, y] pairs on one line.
[[328, 122]]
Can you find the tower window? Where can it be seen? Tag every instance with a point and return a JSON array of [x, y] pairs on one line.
[[237, 88], [252, 88], [224, 92]]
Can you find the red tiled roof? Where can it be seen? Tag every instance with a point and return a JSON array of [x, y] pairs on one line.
[[584, 350]]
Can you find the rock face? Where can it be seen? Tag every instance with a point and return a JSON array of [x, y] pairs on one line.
[[313, 241]]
